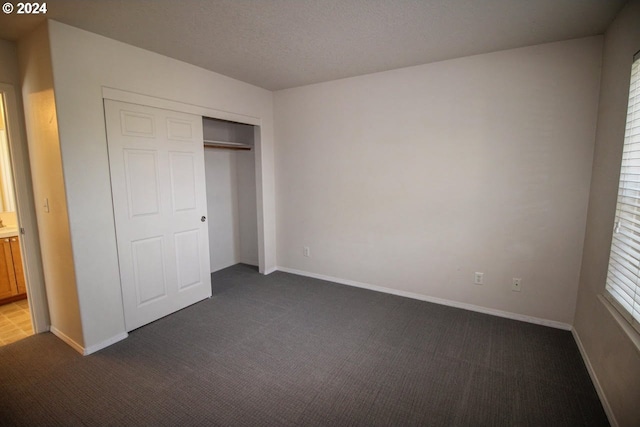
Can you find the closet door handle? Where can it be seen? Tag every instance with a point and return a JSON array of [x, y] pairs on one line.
[[203, 218]]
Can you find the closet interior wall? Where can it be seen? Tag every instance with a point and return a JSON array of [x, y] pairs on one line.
[[231, 195]]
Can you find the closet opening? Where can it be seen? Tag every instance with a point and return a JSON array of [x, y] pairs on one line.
[[230, 171]]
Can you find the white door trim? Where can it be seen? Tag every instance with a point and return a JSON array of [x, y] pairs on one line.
[[167, 104]]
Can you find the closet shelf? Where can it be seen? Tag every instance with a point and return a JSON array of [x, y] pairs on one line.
[[226, 144]]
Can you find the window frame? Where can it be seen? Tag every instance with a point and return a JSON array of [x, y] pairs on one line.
[[628, 316]]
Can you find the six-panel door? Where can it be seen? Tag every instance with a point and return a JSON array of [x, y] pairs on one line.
[[156, 159]]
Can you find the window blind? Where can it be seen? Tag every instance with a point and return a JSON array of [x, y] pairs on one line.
[[623, 276]]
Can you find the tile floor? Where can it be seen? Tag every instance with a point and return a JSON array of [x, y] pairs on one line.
[[15, 322]]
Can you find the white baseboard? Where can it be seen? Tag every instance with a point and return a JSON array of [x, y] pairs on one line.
[[105, 343], [594, 379], [421, 297], [86, 351], [64, 337]]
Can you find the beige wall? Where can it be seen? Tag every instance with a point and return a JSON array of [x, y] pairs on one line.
[[613, 357], [416, 178], [48, 183], [84, 63]]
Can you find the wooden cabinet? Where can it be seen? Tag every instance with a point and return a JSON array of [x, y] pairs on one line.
[[17, 265], [12, 285], [8, 286]]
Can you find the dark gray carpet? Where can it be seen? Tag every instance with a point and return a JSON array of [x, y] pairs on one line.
[[284, 350]]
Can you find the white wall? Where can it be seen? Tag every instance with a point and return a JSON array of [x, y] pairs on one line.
[[416, 178], [83, 63], [247, 209], [231, 206], [222, 208], [613, 357], [48, 183]]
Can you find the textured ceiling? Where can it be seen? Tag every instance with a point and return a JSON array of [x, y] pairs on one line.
[[279, 44]]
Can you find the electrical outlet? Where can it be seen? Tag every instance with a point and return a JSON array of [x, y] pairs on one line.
[[479, 278], [516, 286], [306, 251]]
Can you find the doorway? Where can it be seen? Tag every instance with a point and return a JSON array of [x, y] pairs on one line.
[[15, 317], [23, 299]]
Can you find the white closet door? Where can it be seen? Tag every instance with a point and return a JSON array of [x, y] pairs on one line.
[[156, 159]]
